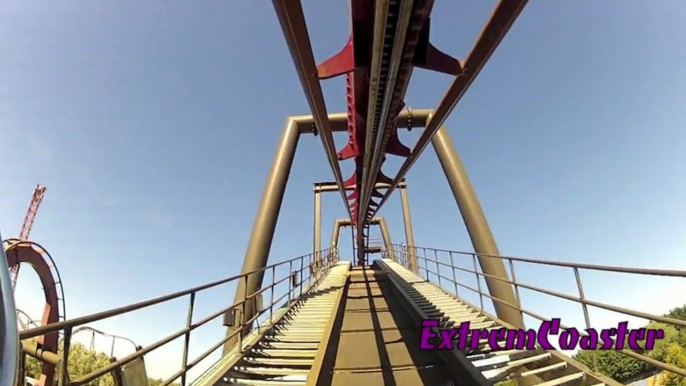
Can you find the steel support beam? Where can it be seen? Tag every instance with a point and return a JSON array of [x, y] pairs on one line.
[[502, 18], [317, 225], [380, 221], [409, 233], [294, 26], [316, 261], [388, 243], [338, 121], [336, 232], [262, 234], [325, 187], [477, 227]]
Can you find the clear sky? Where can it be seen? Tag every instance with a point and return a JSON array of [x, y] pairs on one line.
[[153, 126]]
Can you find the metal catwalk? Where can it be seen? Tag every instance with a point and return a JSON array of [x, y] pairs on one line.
[[362, 326]]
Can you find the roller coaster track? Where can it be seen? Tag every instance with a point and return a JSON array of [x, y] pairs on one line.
[[346, 320], [33, 254]]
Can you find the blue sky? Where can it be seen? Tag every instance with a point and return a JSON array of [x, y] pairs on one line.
[[153, 127]]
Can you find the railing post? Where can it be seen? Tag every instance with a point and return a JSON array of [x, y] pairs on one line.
[[438, 268], [114, 340], [478, 283], [64, 371], [426, 265], [312, 274], [187, 338], [582, 297], [243, 318], [452, 265], [302, 265], [516, 287], [291, 286], [271, 295]]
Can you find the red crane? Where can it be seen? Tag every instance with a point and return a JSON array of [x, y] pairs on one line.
[[28, 222]]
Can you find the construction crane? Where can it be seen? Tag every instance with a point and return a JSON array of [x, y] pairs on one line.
[[28, 223]]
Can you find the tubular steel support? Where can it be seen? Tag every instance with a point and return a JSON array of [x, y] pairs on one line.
[[409, 234], [337, 225], [262, 234], [317, 225], [477, 227], [263, 228], [500, 22], [385, 234], [292, 20], [388, 243]]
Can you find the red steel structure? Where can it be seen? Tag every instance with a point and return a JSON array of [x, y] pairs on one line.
[[388, 39], [28, 223], [28, 252], [21, 251]]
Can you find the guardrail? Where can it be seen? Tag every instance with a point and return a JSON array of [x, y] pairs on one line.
[[295, 277], [432, 261]]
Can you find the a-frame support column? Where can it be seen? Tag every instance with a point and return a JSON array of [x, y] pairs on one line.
[[262, 234], [409, 233], [477, 227], [386, 236]]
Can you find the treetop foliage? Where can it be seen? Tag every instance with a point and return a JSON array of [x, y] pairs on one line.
[[82, 362], [622, 368]]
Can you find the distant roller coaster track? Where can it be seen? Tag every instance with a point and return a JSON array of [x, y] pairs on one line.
[[33, 254]]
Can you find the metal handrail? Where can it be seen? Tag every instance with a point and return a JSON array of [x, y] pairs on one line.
[[317, 269], [403, 253]]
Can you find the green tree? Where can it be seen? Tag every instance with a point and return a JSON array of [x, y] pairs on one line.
[[82, 361], [676, 355], [677, 313], [611, 363], [621, 367]]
